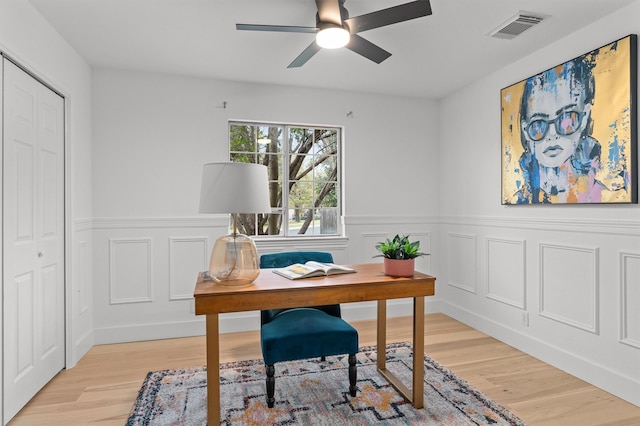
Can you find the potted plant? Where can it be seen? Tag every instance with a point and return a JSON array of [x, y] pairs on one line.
[[399, 255]]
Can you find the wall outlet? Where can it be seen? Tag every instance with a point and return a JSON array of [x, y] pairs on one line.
[[192, 306], [525, 319]]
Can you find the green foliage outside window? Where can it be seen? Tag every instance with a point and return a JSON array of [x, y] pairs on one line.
[[303, 167]]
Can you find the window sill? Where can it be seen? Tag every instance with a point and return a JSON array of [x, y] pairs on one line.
[[266, 244]]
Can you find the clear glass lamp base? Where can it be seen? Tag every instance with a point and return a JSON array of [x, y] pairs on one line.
[[234, 261]]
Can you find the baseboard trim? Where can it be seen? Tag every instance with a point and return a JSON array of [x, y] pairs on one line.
[[137, 333], [81, 347], [245, 321], [395, 308], [621, 386]]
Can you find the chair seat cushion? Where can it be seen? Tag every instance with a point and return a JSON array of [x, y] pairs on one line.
[[302, 333]]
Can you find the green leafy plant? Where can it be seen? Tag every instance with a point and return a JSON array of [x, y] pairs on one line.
[[399, 248]]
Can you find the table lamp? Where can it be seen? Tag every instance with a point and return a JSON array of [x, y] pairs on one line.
[[234, 188]]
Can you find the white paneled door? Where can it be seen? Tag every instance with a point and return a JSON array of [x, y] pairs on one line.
[[33, 237]]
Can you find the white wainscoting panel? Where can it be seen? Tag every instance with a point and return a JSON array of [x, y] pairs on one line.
[[424, 238], [569, 285], [83, 275], [130, 270], [186, 254], [580, 276], [80, 309], [506, 272], [462, 257], [423, 263], [630, 298], [369, 241]]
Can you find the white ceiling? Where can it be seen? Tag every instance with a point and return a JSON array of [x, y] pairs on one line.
[[431, 56]]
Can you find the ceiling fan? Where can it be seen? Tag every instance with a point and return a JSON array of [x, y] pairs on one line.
[[335, 29]]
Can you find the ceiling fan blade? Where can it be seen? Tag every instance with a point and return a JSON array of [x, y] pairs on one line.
[[306, 54], [367, 49], [392, 15], [278, 28], [329, 11]]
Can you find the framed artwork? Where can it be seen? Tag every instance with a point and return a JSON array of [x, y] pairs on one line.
[[569, 133]]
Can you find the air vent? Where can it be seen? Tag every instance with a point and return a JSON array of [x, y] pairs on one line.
[[516, 25]]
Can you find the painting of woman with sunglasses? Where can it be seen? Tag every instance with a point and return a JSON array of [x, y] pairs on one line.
[[561, 158], [555, 119]]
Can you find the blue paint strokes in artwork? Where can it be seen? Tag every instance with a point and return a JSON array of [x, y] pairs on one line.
[[614, 150], [586, 159]]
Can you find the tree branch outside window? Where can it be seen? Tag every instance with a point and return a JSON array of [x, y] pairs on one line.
[[303, 164]]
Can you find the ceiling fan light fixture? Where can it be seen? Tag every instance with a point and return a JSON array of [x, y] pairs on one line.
[[332, 37], [333, 22]]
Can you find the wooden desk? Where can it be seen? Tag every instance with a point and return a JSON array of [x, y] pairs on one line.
[[271, 291]]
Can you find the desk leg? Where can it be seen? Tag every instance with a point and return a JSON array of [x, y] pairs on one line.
[[382, 359], [418, 352], [382, 334], [213, 370]]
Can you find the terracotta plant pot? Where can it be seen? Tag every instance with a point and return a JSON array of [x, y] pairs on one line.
[[399, 267]]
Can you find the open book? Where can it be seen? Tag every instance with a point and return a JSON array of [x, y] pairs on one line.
[[312, 269]]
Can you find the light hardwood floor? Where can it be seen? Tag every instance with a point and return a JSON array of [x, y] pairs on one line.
[[101, 389]]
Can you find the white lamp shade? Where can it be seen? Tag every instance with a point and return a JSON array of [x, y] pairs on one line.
[[234, 188]]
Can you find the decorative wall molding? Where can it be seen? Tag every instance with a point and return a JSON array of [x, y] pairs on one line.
[[569, 285], [506, 271], [462, 264], [84, 280], [245, 321], [204, 221], [601, 375], [85, 342], [80, 225], [273, 245], [372, 238], [389, 220], [186, 254], [375, 236], [217, 220], [630, 299], [594, 226], [423, 237], [130, 270], [142, 332]]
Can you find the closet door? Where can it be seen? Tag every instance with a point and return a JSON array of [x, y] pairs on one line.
[[33, 237]]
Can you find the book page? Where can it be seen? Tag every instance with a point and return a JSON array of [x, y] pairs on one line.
[[298, 270], [330, 268]]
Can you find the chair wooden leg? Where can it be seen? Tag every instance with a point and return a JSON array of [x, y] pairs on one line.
[[353, 375], [271, 385]]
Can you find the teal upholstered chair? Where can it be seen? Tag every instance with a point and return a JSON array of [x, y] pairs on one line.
[[301, 333]]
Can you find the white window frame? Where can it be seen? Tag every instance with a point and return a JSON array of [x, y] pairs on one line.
[[285, 155]]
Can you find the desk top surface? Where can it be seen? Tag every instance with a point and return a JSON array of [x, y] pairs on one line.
[[271, 290]]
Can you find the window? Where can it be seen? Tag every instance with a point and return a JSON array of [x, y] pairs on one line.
[[303, 164]]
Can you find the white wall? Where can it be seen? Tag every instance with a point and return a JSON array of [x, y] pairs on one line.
[[153, 132], [30, 40], [500, 263]]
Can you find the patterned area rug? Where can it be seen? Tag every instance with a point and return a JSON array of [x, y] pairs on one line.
[[313, 392]]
